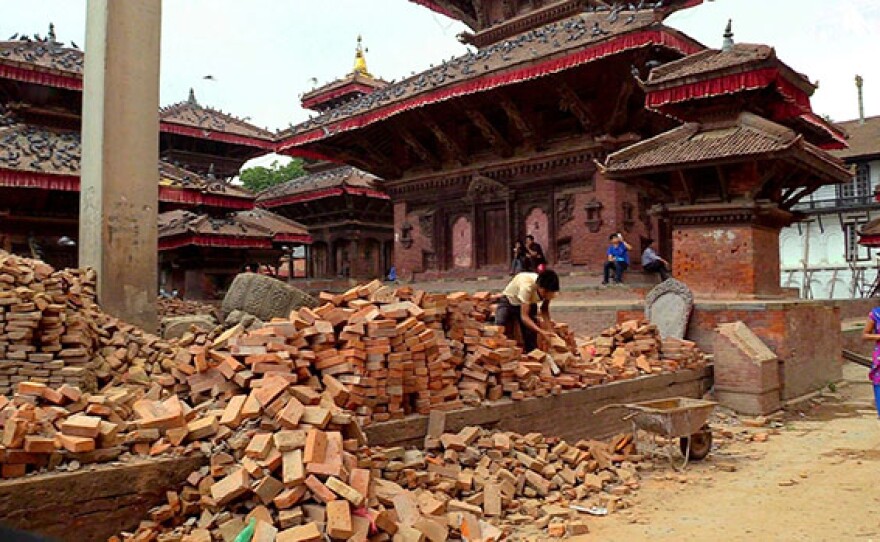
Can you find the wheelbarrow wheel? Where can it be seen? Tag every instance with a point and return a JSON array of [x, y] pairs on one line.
[[700, 445]]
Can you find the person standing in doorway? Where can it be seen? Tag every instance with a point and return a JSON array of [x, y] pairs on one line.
[[618, 258], [652, 263], [535, 259], [872, 333], [517, 262]]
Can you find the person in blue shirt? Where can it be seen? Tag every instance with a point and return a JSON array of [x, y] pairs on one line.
[[618, 258]]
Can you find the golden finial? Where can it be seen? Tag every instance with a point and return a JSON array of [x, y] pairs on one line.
[[360, 61]]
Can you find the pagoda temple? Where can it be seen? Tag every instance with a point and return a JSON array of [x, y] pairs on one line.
[[513, 138], [40, 149], [486, 148], [348, 215], [748, 150]]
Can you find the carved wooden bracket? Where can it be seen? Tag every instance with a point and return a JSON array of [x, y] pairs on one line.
[[565, 209]]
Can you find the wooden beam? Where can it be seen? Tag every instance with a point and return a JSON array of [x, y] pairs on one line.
[[420, 150], [723, 183], [490, 133], [570, 102], [453, 147], [524, 123]]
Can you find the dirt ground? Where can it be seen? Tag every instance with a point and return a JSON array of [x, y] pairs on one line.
[[815, 479]]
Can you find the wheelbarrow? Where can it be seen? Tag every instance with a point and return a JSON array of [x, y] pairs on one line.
[[677, 417]]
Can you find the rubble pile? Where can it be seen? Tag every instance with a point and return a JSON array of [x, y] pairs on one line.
[[172, 306], [295, 467], [46, 427], [635, 348], [53, 332], [399, 352]]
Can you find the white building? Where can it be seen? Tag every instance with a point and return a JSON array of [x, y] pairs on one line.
[[821, 256]]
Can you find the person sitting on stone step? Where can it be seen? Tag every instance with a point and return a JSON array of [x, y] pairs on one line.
[[618, 258], [652, 263]]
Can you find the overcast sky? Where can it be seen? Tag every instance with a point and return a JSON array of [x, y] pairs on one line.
[[264, 53]]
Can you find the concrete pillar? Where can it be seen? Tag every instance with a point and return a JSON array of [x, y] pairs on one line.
[[120, 132]]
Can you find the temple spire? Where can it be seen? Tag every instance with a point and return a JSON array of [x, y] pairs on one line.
[[192, 97], [728, 36], [51, 36], [360, 61]]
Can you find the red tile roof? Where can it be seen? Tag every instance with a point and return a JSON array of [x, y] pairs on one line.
[[204, 121], [342, 178], [715, 61], [694, 145], [560, 45], [863, 139], [45, 62], [245, 229]]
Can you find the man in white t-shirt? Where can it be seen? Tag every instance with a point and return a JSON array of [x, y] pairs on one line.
[[518, 306]]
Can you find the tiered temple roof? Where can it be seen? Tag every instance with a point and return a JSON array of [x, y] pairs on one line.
[[42, 61], [751, 74], [359, 82], [193, 119], [332, 182], [495, 20], [45, 158], [695, 145], [543, 51], [257, 229]]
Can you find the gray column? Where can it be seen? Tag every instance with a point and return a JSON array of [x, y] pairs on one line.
[[120, 132]]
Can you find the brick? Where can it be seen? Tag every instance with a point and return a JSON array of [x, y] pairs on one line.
[[345, 491], [339, 524], [230, 488], [319, 490], [35, 444], [304, 533], [76, 444], [232, 414], [82, 426], [293, 470]]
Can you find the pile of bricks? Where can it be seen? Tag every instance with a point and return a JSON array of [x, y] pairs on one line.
[[45, 427], [172, 306], [53, 332], [399, 352], [303, 473], [632, 349], [41, 338]]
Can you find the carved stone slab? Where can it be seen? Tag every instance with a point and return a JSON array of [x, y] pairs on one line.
[[669, 306]]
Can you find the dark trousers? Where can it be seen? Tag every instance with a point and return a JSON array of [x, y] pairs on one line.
[[658, 267], [618, 268], [510, 316]]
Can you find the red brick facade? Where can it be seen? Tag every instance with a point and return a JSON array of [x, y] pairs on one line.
[[729, 261], [805, 335], [574, 230]]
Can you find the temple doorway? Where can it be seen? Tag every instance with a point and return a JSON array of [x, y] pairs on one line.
[[462, 243]]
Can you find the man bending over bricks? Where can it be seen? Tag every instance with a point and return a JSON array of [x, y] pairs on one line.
[[518, 306]]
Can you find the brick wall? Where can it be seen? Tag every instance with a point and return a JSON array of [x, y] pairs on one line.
[[408, 260], [588, 247], [804, 335], [737, 261]]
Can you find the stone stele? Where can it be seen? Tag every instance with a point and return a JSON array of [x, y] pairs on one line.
[[669, 306]]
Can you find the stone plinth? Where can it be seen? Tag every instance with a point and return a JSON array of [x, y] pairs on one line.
[[746, 371], [804, 335]]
